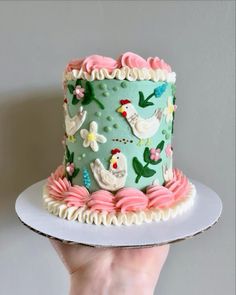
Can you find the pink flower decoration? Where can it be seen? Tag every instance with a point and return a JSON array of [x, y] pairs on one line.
[[157, 63], [70, 168], [155, 154], [168, 150], [79, 92], [132, 60]]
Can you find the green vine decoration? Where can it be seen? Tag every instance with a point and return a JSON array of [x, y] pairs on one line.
[[143, 170]]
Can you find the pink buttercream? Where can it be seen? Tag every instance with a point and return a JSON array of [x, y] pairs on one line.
[[130, 199], [132, 60], [125, 200], [128, 59], [58, 188], [157, 63], [159, 197], [102, 200], [74, 64], [98, 62], [179, 185], [76, 196]]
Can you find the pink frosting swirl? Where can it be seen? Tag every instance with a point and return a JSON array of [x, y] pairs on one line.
[[157, 63], [130, 199], [98, 62], [76, 196], [132, 60], [179, 185], [58, 188], [58, 173], [159, 197], [102, 200], [74, 64], [128, 59]]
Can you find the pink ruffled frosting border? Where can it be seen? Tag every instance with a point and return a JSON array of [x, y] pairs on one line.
[[128, 59], [125, 200]]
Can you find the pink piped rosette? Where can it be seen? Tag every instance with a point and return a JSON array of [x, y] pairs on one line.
[[128, 59], [125, 200]]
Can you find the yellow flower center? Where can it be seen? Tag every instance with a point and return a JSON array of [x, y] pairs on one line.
[[171, 108], [91, 137]]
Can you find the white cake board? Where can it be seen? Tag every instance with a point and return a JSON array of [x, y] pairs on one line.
[[204, 213]]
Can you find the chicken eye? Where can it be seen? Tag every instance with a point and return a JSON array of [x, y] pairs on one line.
[[126, 108], [117, 158]]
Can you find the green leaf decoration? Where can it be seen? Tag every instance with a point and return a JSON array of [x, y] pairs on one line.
[[141, 99], [160, 145], [89, 93], [152, 162], [147, 172], [67, 154], [138, 167], [78, 83], [146, 155], [143, 103], [75, 100], [148, 103], [76, 171], [71, 88], [172, 129], [71, 158]]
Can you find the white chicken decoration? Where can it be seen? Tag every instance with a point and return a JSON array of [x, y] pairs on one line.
[[142, 128], [74, 123], [114, 178]]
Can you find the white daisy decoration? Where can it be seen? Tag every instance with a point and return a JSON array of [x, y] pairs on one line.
[[91, 137], [169, 110]]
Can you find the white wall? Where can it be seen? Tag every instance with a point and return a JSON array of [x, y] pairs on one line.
[[36, 41]]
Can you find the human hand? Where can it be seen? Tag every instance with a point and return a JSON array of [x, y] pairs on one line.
[[111, 271]]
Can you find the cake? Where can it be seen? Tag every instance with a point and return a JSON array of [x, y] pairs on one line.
[[117, 166]]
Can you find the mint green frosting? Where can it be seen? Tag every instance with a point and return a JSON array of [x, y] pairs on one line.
[[117, 130]]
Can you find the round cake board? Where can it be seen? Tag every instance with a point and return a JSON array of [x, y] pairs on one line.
[[201, 216]]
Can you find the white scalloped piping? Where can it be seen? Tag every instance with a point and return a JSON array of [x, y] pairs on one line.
[[85, 215], [124, 73]]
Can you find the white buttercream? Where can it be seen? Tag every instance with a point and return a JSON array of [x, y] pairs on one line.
[[130, 74], [83, 214]]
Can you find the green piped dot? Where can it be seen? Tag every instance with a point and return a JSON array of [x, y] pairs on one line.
[[163, 132], [83, 155], [98, 114], [106, 94], [167, 136], [103, 86], [107, 129], [109, 118], [123, 84], [115, 88], [79, 158], [115, 126]]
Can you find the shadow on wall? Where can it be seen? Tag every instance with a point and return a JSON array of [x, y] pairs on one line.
[[31, 128]]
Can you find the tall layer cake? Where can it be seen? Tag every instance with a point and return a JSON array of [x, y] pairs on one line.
[[117, 166]]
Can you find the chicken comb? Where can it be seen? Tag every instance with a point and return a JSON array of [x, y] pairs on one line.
[[115, 151], [124, 101]]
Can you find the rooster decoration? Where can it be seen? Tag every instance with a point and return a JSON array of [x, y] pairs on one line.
[[142, 128], [114, 178], [73, 124]]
